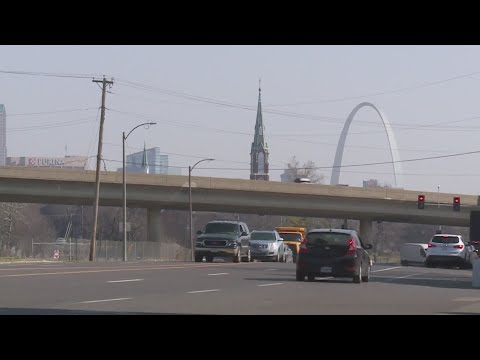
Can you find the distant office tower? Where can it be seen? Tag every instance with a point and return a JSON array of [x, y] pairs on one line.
[[259, 151], [149, 161], [3, 135]]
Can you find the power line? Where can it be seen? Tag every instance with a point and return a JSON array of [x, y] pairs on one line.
[[382, 92], [330, 119], [51, 112], [341, 166], [183, 125], [52, 125], [48, 74]]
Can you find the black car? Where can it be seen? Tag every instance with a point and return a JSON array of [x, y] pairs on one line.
[[333, 253]]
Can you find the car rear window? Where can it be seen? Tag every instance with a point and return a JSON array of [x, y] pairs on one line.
[[221, 228], [291, 236], [328, 238], [262, 235], [446, 239]]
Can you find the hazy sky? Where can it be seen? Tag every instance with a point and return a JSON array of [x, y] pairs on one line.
[[435, 112]]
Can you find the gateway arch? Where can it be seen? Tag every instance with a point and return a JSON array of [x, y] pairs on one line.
[[337, 163]]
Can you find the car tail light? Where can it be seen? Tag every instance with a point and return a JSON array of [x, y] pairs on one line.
[[458, 246], [352, 248], [303, 248], [431, 245]]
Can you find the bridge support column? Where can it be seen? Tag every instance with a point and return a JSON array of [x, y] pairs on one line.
[[154, 224], [366, 231]]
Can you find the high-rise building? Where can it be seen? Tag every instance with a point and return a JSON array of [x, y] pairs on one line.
[[3, 135], [259, 152], [149, 161]]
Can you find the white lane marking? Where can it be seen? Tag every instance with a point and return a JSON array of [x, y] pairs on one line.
[[105, 300], [421, 278], [271, 269], [218, 274], [273, 284], [121, 281], [467, 299], [390, 268], [202, 291]]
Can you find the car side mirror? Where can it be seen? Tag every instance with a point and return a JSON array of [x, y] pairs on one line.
[[368, 246], [243, 234], [199, 232], [281, 239]]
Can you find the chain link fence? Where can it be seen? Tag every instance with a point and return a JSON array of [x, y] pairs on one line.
[[109, 250]]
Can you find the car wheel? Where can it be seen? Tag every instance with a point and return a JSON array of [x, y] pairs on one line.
[[209, 258], [366, 278], [357, 279], [237, 257], [198, 258], [300, 276], [247, 258], [311, 277]]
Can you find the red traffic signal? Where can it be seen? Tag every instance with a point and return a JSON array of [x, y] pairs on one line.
[[421, 201], [456, 203]]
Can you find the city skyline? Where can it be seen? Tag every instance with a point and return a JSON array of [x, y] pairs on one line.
[[204, 100]]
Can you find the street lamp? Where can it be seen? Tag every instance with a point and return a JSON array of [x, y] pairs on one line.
[[124, 138], [190, 168], [438, 205]]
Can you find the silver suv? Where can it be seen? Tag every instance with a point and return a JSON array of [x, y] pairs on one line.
[[229, 239], [450, 250]]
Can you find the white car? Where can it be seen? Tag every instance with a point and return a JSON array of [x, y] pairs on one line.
[[449, 250], [267, 245]]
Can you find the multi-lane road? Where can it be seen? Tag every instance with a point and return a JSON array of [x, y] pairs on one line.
[[227, 288]]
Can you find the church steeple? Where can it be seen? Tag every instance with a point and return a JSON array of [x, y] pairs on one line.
[[145, 167], [259, 151]]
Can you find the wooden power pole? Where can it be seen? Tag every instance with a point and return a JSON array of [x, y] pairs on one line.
[[104, 82]]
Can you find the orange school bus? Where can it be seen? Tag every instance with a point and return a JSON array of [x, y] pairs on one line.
[[293, 237]]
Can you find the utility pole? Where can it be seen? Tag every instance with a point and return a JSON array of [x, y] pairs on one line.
[[104, 82]]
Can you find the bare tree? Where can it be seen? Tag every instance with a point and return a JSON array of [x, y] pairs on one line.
[[308, 170]]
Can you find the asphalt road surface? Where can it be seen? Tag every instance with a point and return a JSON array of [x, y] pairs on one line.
[[228, 288]]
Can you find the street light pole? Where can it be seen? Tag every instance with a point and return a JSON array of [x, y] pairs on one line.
[[438, 205], [124, 138], [190, 169]]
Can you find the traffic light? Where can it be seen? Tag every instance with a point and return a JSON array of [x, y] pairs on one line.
[[456, 203], [421, 201]]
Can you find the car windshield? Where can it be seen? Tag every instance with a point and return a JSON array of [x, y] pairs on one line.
[[262, 235], [328, 238], [221, 228], [291, 236], [446, 239]]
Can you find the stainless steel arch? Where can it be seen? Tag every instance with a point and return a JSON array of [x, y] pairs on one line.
[[337, 163]]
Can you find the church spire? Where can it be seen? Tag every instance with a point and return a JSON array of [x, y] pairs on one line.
[[259, 139], [259, 152], [145, 167]]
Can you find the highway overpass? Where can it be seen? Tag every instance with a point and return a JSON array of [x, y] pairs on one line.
[[156, 192]]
